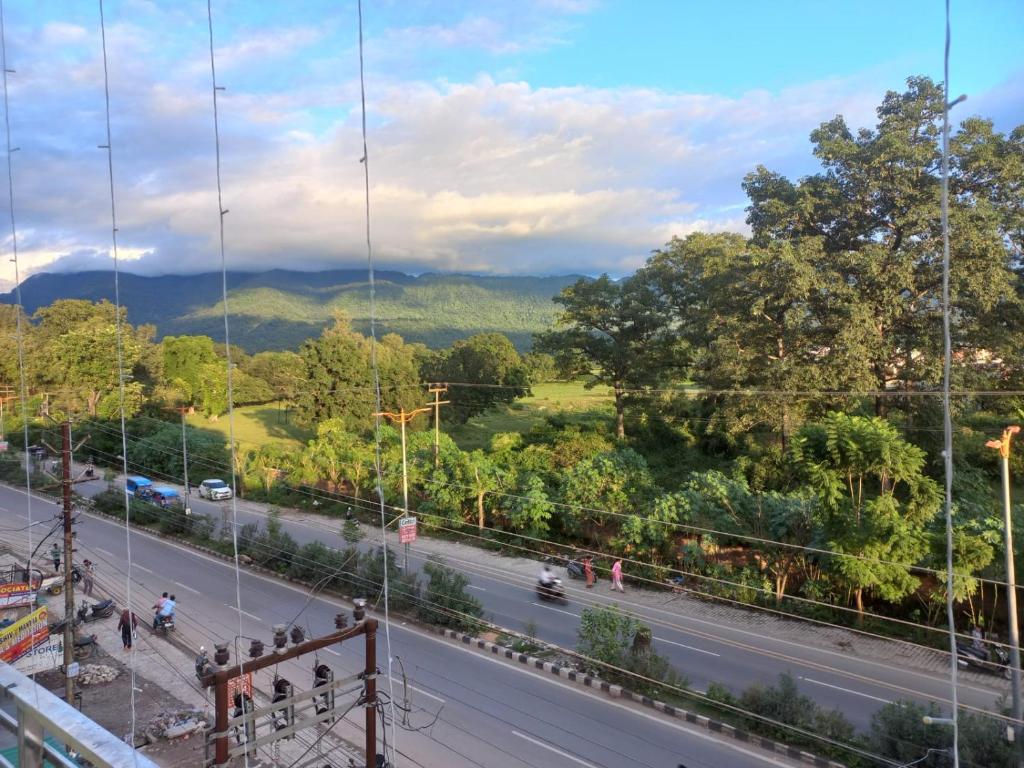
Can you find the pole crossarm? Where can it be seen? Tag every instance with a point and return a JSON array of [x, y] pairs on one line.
[[403, 416], [274, 657]]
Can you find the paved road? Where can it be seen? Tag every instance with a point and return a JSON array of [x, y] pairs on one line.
[[704, 650], [489, 713]]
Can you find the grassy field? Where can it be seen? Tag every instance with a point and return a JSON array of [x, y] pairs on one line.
[[257, 425], [569, 399]]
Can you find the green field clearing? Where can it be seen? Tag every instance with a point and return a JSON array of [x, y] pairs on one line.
[[571, 399], [257, 425]]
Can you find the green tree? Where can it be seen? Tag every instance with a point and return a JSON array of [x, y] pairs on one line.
[[875, 211], [875, 499], [607, 487], [280, 370], [530, 508], [485, 370], [618, 329], [185, 359], [445, 599]]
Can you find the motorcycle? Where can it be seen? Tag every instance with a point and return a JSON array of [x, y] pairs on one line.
[[553, 591], [575, 569], [101, 610], [57, 627], [85, 647], [163, 624], [996, 660]]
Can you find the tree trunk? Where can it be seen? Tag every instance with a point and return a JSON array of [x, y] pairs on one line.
[[780, 587], [479, 501], [858, 595], [620, 411]]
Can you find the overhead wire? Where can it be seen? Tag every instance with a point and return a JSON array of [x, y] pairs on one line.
[[221, 212], [376, 380], [119, 342], [947, 411]]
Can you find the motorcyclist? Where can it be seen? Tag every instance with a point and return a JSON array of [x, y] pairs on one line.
[[164, 610], [547, 578]]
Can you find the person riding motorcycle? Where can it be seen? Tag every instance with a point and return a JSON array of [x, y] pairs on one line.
[[165, 611], [547, 578]]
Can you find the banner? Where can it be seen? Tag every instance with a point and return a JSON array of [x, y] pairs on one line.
[[16, 594], [44, 657], [23, 635], [407, 530]]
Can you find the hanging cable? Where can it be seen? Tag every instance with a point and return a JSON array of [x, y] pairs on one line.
[[119, 332], [947, 418], [221, 212], [376, 391]]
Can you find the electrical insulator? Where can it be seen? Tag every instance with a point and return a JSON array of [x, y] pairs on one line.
[[255, 649], [285, 716], [323, 676], [243, 705], [298, 634]]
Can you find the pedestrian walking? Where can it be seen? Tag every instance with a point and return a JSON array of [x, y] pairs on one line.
[[88, 572], [588, 571], [617, 576], [127, 625], [55, 556]]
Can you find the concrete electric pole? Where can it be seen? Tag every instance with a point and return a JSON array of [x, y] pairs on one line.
[[69, 581], [437, 390]]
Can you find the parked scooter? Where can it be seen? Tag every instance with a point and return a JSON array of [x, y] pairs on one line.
[[101, 610], [85, 647], [553, 591], [575, 569], [995, 659], [57, 627]]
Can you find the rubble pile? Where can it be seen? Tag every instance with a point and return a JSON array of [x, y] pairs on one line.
[[94, 674], [173, 725]]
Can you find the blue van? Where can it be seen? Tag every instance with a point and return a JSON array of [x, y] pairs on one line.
[[164, 496], [137, 485]]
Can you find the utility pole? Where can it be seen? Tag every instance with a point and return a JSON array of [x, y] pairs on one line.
[[1003, 446], [437, 390], [69, 582], [403, 418], [184, 459]]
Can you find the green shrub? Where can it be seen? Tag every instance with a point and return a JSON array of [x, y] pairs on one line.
[[445, 599]]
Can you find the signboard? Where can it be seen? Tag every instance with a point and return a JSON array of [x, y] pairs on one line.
[[407, 530], [43, 657], [18, 593], [73, 669], [4, 445], [24, 635], [240, 684]]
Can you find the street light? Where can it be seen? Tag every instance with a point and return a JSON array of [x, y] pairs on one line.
[[1003, 446]]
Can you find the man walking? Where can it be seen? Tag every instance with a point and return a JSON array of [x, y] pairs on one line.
[[55, 556], [617, 576], [88, 572], [127, 626]]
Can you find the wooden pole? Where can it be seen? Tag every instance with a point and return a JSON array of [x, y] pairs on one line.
[[69, 582]]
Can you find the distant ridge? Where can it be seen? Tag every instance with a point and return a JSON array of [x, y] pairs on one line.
[[278, 309]]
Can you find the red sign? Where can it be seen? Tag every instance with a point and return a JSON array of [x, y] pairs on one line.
[[240, 684], [407, 530]]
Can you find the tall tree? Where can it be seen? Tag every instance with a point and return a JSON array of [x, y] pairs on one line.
[[185, 358], [875, 210], [483, 370], [618, 330]]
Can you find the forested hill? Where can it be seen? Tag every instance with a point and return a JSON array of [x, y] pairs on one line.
[[279, 309]]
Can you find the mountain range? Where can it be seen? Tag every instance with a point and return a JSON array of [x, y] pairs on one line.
[[278, 309]]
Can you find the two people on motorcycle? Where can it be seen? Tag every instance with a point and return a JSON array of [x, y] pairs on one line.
[[164, 608]]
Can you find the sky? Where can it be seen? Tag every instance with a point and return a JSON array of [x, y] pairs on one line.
[[527, 137]]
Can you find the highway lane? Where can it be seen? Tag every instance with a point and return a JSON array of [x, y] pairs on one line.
[[491, 713], [703, 651]]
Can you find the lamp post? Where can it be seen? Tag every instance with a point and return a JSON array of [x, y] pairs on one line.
[[1003, 446], [403, 417]]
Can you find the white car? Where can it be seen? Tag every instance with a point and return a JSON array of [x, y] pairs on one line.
[[215, 490]]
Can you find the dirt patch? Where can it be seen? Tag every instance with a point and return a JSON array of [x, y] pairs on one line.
[[109, 704]]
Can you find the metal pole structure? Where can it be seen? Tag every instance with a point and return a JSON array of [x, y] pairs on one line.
[[436, 390], [184, 460], [69, 583], [371, 692], [405, 486], [1003, 446]]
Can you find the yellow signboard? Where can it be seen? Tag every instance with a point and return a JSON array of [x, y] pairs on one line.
[[23, 635]]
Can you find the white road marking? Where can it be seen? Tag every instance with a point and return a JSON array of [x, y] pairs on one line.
[[847, 690], [188, 588], [250, 615], [104, 551], [683, 645], [474, 586], [567, 613], [428, 695], [142, 568], [331, 650], [557, 751]]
